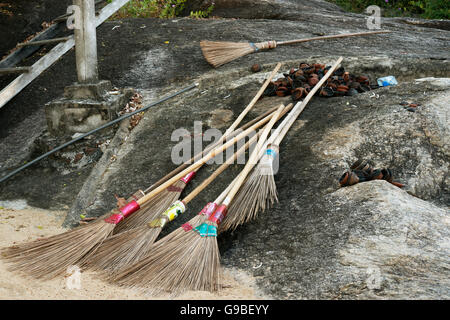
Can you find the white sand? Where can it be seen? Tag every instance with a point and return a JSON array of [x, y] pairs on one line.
[[28, 224]]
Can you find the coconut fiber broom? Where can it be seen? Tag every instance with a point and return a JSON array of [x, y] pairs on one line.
[[218, 53], [130, 246], [196, 220], [49, 257], [194, 264], [259, 190], [163, 200], [156, 204]]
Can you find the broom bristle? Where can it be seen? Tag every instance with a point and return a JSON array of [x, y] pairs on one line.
[[188, 262], [218, 53], [129, 247], [258, 192], [152, 208], [123, 249], [50, 257]]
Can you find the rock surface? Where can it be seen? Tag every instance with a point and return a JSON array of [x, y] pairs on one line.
[[371, 240]]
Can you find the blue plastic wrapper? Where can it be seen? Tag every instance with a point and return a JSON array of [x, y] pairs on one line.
[[387, 81]]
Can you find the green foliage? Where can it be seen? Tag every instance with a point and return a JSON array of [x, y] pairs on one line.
[[171, 8], [151, 8], [436, 9], [202, 13], [428, 9]]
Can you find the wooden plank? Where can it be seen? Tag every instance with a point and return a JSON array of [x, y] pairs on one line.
[[86, 43], [36, 69], [14, 70], [57, 52], [41, 42], [109, 10], [24, 52]]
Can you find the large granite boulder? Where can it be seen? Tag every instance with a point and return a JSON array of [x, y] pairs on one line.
[[370, 240]]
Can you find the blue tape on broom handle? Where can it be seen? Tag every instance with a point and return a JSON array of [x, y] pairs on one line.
[[192, 86]]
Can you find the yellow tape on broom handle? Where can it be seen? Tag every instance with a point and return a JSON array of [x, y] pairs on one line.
[[253, 158]]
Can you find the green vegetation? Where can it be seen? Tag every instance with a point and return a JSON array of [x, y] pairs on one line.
[[202, 13], [158, 9], [428, 9]]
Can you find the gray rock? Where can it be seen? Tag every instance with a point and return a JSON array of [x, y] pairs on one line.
[[371, 240], [368, 241]]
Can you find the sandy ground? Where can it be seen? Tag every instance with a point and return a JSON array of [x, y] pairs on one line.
[[24, 224]]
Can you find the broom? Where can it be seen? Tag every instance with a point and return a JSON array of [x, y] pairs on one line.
[[259, 190], [130, 246], [159, 203], [172, 193], [191, 262], [49, 257], [154, 205], [218, 53], [200, 218]]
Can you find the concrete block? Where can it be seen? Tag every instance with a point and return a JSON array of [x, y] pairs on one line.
[[71, 114]]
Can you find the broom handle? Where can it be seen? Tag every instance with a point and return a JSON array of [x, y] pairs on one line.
[[254, 156], [224, 193], [218, 171], [200, 162], [227, 133], [333, 37], [253, 102], [283, 128], [198, 156]]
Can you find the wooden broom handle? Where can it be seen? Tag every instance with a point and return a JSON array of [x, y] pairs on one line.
[[301, 105], [254, 156], [198, 156], [253, 102], [283, 128], [224, 193], [200, 162], [279, 43], [218, 171], [228, 132]]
